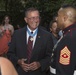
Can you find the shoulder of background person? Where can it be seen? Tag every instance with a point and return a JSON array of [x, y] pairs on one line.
[[43, 31], [43, 28], [21, 30], [10, 25]]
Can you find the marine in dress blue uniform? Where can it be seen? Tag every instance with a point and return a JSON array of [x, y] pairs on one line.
[[65, 51]]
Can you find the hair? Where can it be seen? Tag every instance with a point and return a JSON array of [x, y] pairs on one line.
[[68, 6], [54, 17], [30, 10], [70, 11]]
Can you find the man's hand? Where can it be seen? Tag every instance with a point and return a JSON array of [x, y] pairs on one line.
[[28, 67], [24, 66], [34, 66]]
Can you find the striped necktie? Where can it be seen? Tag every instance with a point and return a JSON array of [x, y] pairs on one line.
[[29, 48]]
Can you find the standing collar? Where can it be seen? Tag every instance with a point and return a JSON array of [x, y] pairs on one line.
[[31, 30], [34, 31], [69, 28]]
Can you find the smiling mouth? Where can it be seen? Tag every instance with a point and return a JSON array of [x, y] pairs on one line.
[[35, 23]]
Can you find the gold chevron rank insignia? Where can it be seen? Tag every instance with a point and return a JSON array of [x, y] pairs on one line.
[[65, 56]]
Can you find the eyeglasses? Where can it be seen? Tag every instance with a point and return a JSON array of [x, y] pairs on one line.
[[33, 18]]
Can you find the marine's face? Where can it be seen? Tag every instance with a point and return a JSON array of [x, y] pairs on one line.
[[33, 19], [60, 20]]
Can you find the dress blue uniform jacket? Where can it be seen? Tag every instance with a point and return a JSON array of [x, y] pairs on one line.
[[65, 52]]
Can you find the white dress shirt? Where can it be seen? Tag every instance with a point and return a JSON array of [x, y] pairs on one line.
[[34, 37]]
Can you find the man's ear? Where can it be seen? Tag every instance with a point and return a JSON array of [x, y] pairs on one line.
[[25, 19], [65, 18]]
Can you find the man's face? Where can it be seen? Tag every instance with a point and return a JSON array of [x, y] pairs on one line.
[[60, 20], [33, 19]]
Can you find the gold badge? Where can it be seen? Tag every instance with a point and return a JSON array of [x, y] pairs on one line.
[[65, 56]]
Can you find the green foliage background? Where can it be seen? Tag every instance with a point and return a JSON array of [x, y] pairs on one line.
[[47, 8]]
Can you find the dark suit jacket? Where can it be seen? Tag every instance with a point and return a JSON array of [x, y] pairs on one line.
[[41, 52]]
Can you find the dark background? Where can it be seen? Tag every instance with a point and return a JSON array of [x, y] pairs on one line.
[[15, 9]]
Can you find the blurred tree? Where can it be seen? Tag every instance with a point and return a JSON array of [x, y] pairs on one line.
[[2, 5], [47, 8]]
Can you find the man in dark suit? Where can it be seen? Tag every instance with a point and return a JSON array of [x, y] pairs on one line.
[[35, 62]]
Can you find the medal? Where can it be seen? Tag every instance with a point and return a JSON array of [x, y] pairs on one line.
[[32, 34], [31, 38]]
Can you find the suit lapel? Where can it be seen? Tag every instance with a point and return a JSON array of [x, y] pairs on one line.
[[37, 43], [24, 41]]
